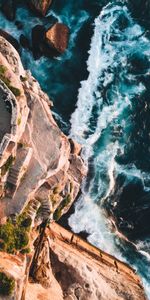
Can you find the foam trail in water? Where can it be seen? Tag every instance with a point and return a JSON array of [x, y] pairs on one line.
[[102, 117]]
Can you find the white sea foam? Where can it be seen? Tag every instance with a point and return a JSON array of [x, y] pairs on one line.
[[107, 66]]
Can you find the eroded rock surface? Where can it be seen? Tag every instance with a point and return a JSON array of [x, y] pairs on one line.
[[37, 130], [57, 37]]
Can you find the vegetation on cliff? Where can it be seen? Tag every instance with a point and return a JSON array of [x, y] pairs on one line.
[[15, 237], [7, 284], [4, 78], [64, 203]]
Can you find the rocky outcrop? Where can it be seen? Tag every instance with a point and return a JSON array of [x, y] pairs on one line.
[[49, 148], [57, 37], [81, 270], [14, 268], [41, 171], [9, 9], [41, 6]]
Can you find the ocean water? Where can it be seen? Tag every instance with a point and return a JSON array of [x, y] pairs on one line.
[[101, 93]]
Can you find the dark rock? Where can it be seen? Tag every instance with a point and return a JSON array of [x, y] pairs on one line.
[[9, 9], [24, 41], [19, 25], [38, 34], [49, 21], [57, 37], [10, 39], [41, 7]]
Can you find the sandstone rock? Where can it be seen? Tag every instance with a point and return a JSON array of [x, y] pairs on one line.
[[41, 268], [9, 9], [75, 147], [40, 7], [85, 272], [57, 37], [14, 267]]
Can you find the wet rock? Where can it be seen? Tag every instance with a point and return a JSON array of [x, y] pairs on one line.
[[19, 25], [38, 33], [10, 39], [50, 20], [57, 37], [40, 7], [9, 9], [24, 41]]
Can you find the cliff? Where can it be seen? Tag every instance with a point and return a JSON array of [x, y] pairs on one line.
[[41, 171]]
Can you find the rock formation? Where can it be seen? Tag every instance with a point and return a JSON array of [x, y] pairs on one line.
[[9, 9], [41, 6], [41, 171], [57, 37]]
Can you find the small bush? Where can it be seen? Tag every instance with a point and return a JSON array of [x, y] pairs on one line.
[[2, 245], [19, 121], [3, 69], [57, 214], [26, 222], [21, 238], [15, 91], [25, 250], [15, 236], [7, 284], [6, 80], [23, 79], [63, 204], [7, 165]]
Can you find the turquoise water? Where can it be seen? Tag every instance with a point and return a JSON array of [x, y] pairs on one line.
[[100, 89]]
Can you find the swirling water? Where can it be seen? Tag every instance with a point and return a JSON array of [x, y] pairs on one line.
[[106, 121], [111, 117]]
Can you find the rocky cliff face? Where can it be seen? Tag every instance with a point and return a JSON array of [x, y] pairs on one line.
[[41, 171], [42, 157]]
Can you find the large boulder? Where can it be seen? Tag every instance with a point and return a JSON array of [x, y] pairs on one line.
[[38, 33], [57, 37], [40, 7], [9, 9]]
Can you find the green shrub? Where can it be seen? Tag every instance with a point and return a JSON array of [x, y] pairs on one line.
[[14, 90], [3, 69], [21, 238], [23, 79], [2, 245], [7, 284], [7, 165], [15, 236], [19, 121], [26, 222], [57, 214], [63, 204], [25, 250], [6, 80]]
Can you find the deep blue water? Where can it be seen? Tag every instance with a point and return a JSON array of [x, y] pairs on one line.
[[101, 93]]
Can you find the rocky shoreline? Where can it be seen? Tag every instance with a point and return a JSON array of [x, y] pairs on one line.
[[41, 171]]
